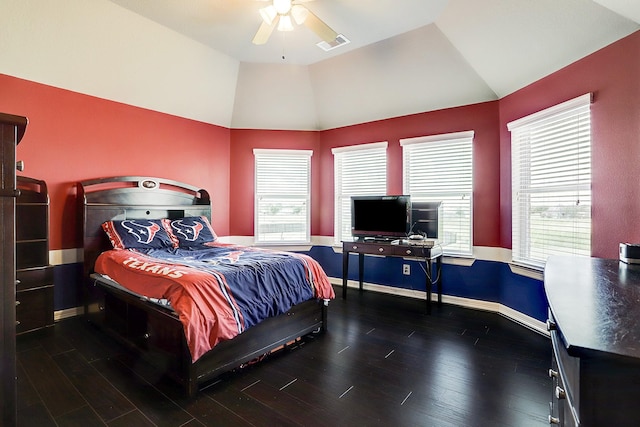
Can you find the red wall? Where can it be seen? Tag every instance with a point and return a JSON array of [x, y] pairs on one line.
[[242, 166], [72, 137], [481, 118], [613, 75]]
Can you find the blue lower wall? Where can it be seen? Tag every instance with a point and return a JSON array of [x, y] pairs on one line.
[[523, 294], [491, 281], [67, 292], [483, 280]]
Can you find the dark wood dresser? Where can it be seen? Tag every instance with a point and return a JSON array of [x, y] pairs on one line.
[[594, 321], [12, 129], [34, 291]]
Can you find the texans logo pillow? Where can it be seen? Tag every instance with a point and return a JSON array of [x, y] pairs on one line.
[[193, 231], [140, 233]]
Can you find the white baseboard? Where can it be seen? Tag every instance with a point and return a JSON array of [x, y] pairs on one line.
[[494, 307], [67, 312], [66, 256]]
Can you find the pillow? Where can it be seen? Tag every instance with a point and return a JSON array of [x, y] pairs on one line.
[[140, 233], [192, 231]]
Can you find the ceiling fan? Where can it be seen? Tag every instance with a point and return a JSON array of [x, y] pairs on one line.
[[282, 14]]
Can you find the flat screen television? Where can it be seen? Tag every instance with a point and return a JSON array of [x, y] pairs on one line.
[[380, 217]]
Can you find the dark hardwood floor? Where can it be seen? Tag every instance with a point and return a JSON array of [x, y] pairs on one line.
[[383, 362]]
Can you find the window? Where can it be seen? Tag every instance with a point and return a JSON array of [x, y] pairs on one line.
[[439, 168], [282, 197], [359, 170], [551, 182]]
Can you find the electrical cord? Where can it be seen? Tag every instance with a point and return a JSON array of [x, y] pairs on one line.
[[426, 273]]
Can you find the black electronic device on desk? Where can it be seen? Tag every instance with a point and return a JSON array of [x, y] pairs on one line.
[[380, 218], [630, 253], [420, 240], [425, 220]]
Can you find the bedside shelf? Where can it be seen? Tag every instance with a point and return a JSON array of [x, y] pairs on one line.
[[34, 288]]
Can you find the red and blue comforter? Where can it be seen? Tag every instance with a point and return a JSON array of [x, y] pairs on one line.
[[218, 290]]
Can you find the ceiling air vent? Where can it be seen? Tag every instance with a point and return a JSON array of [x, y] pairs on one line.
[[339, 41]]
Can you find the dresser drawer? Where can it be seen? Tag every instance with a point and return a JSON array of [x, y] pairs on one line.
[[561, 410], [569, 370], [369, 248], [32, 253], [34, 278], [34, 309], [389, 249], [412, 251]]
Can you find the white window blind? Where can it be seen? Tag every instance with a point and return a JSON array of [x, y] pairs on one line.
[[440, 168], [282, 196], [359, 170], [551, 182]]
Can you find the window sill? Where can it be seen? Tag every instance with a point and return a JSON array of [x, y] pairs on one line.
[[288, 247], [527, 270], [462, 260], [283, 246]]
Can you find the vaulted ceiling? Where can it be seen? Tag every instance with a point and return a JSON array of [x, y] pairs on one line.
[[195, 58], [229, 25]]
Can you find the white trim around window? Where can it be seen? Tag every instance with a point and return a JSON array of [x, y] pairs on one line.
[[359, 170], [551, 183], [439, 168], [282, 196]]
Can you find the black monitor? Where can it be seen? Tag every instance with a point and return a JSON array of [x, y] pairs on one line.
[[426, 219], [380, 217]]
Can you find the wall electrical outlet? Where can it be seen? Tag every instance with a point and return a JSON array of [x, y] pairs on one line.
[[406, 269]]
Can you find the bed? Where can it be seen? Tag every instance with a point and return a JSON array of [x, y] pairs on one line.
[[192, 307]]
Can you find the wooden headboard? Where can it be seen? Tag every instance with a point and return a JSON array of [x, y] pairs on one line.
[[132, 197]]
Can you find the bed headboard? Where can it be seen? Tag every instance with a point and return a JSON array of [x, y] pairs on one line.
[[132, 197]]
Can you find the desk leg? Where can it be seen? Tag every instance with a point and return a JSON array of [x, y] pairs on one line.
[[361, 269], [429, 284], [439, 278], [345, 273]]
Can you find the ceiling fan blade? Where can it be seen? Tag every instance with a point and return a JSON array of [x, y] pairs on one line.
[[318, 26], [264, 32]]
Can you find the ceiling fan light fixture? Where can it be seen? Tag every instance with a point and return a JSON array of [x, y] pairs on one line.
[[282, 6], [268, 14], [299, 14], [285, 23], [281, 14]]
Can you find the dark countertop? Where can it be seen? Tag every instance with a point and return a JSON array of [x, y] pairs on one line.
[[595, 303]]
